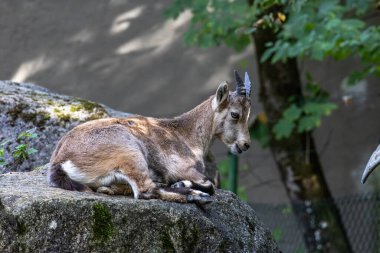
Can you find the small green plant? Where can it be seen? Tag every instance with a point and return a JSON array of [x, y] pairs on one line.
[[20, 152], [23, 150]]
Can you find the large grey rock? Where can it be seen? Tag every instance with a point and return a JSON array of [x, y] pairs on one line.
[[26, 106], [37, 218]]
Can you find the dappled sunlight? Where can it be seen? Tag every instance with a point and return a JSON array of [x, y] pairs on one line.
[[31, 67], [121, 22], [160, 40], [83, 36], [105, 66]]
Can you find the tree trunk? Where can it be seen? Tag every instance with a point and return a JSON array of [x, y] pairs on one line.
[[296, 157]]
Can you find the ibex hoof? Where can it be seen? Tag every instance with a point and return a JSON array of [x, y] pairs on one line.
[[199, 200], [199, 193]]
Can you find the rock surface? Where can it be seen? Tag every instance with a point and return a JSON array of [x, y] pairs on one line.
[[37, 218], [25, 106]]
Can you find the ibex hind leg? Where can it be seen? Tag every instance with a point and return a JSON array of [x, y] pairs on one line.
[[129, 176], [105, 190], [116, 189]]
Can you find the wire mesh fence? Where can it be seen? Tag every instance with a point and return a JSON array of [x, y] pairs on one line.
[[360, 216]]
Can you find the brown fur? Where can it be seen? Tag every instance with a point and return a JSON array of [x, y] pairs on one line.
[[151, 153]]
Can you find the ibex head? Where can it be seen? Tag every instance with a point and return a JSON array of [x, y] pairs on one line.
[[231, 114]]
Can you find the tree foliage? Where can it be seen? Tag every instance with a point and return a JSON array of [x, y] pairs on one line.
[[313, 29], [306, 29]]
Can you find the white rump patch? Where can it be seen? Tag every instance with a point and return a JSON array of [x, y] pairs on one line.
[[74, 172]]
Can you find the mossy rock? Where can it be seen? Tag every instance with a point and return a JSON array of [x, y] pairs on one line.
[[26, 106], [35, 217]]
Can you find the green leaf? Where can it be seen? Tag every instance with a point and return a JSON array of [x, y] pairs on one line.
[[30, 151], [21, 135], [20, 147], [30, 133], [317, 53], [323, 108], [267, 54], [33, 136], [355, 23], [283, 128], [277, 234], [250, 30], [292, 113], [308, 123], [19, 151]]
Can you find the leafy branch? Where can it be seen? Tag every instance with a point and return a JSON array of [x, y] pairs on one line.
[[302, 115], [305, 115]]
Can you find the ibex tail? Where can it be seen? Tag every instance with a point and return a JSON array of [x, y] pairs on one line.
[[58, 177]]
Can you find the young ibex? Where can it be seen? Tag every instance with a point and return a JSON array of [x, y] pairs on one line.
[[153, 158]]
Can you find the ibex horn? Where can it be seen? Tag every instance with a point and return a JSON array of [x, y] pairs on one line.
[[247, 84], [373, 163], [240, 87], [243, 88]]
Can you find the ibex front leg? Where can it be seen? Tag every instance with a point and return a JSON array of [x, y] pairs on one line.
[[195, 180]]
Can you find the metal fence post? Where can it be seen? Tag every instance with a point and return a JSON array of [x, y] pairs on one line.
[[232, 172]]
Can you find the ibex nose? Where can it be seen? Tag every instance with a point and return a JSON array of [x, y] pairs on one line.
[[246, 145]]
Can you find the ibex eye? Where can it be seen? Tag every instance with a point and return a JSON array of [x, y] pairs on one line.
[[235, 115]]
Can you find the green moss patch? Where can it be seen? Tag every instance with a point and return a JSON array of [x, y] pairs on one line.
[[89, 106], [102, 228], [167, 243], [21, 227], [39, 119]]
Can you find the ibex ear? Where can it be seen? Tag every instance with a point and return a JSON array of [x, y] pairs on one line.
[[222, 94]]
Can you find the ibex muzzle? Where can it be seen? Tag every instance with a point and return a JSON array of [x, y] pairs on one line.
[[153, 158]]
